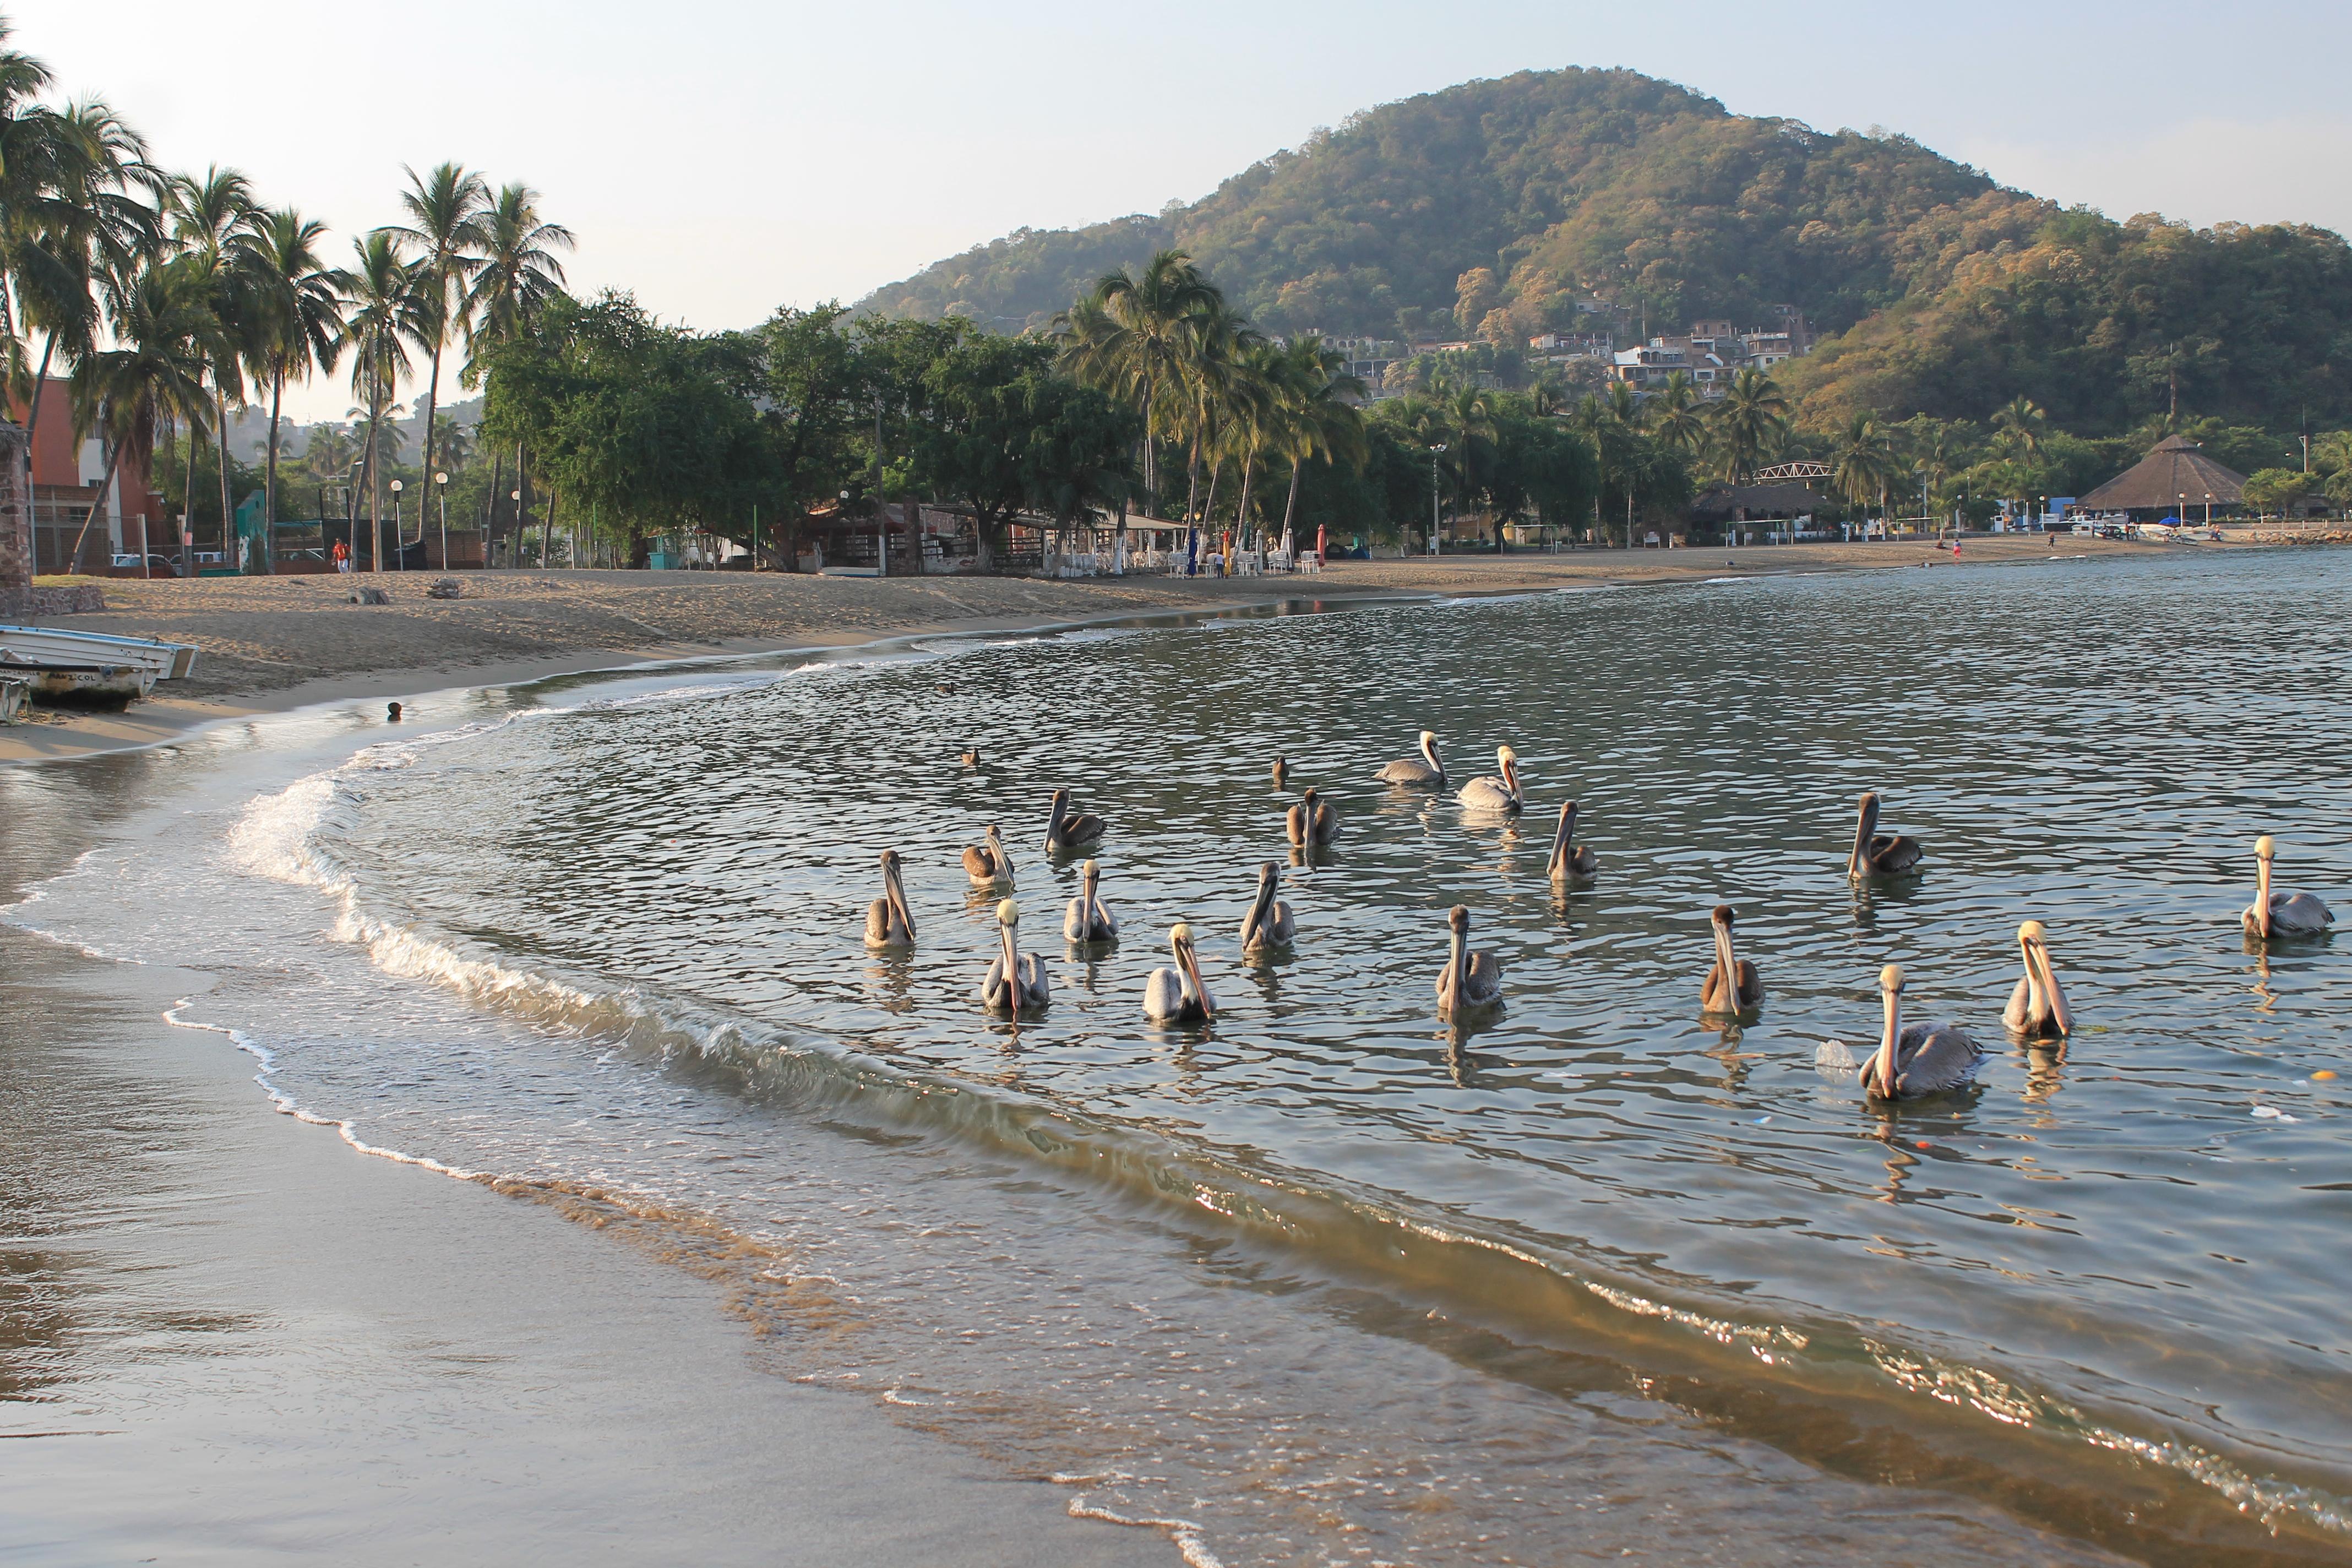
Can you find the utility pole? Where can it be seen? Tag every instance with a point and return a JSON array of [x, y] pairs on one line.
[[881, 516], [1436, 452]]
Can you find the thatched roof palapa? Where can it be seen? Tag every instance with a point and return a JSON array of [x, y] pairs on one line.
[[2174, 468], [1725, 503]]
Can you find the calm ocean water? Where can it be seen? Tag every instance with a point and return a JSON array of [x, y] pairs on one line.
[[1330, 1279]]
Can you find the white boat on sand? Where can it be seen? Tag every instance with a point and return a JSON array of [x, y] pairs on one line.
[[90, 667]]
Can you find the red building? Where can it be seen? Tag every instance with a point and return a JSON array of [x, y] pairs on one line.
[[65, 475]]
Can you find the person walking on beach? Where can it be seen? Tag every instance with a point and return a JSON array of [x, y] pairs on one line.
[[342, 556]]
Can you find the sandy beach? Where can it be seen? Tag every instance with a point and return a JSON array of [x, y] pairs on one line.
[[271, 644]]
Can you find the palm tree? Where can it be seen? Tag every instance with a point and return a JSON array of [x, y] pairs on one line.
[[297, 318], [446, 212], [1749, 423], [1135, 336], [1463, 415], [518, 275], [1316, 414], [207, 214], [1678, 417], [154, 371], [2019, 425], [382, 315], [70, 223], [1863, 462]]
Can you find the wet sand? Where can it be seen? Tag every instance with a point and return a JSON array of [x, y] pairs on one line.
[[275, 644], [226, 1338]]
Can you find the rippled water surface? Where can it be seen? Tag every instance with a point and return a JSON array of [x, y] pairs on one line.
[[2103, 1291]]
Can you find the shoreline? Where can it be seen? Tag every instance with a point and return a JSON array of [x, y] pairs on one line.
[[513, 629]]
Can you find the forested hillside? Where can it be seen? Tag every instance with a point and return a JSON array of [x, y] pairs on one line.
[[1492, 207]]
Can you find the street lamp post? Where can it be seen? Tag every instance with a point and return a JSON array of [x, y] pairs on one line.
[[2208, 511], [843, 510], [399, 533], [1436, 452], [441, 489], [516, 496]]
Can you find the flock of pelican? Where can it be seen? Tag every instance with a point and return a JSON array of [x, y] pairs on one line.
[[1911, 1059]]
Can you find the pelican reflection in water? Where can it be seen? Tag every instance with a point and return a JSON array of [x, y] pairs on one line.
[[1178, 996], [1876, 853], [1424, 769], [1733, 985], [1916, 1059], [2279, 915], [1268, 925], [1015, 982], [889, 922], [2037, 1009], [1471, 982], [1489, 794], [987, 864], [1088, 919], [1569, 858]]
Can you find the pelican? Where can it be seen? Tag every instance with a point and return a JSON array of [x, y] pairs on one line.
[[1569, 858], [1875, 852], [1176, 995], [1423, 769], [1312, 821], [1281, 772], [1267, 925], [988, 864], [970, 758], [1470, 982], [2037, 1009], [1487, 793], [1088, 919], [1015, 982], [1067, 830], [2281, 914], [889, 922], [1718, 992], [1918, 1059]]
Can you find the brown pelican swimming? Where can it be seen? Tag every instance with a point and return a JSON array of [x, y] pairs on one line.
[[1088, 919], [1487, 793], [1424, 769], [1267, 925], [1732, 985], [1281, 772], [889, 922], [1176, 995], [1915, 1059], [1312, 820], [2281, 914], [1470, 982], [971, 756], [1876, 853], [987, 864], [1569, 858], [1068, 831], [2037, 1009], [1015, 982]]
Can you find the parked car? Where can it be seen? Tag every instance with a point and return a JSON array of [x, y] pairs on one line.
[[157, 566]]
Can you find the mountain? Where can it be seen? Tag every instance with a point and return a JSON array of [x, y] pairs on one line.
[[1558, 184], [1496, 207]]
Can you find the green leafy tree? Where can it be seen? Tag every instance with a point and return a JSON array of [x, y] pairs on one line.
[[1135, 336], [296, 315], [207, 214], [1750, 423], [160, 325], [381, 312], [520, 275], [445, 227]]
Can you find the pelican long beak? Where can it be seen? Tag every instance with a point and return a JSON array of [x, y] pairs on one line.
[[1262, 907], [1191, 964], [1883, 1064], [2262, 894], [1012, 972], [1867, 820], [1003, 860], [1461, 960], [1511, 775], [2037, 960], [1558, 863], [898, 896], [1429, 754], [1723, 955]]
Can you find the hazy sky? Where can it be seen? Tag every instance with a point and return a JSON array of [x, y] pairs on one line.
[[722, 157]]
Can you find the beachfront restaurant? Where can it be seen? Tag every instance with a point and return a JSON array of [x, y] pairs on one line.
[[2174, 480], [1752, 514]]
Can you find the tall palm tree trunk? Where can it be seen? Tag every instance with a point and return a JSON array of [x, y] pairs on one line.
[[1290, 502], [490, 511], [113, 459], [40, 380], [269, 469], [367, 491], [220, 450]]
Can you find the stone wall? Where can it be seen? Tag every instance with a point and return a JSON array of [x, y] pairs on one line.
[[16, 524]]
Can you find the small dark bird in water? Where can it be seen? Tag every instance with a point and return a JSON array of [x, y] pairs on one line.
[[391, 713], [1281, 772], [945, 686], [971, 756]]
